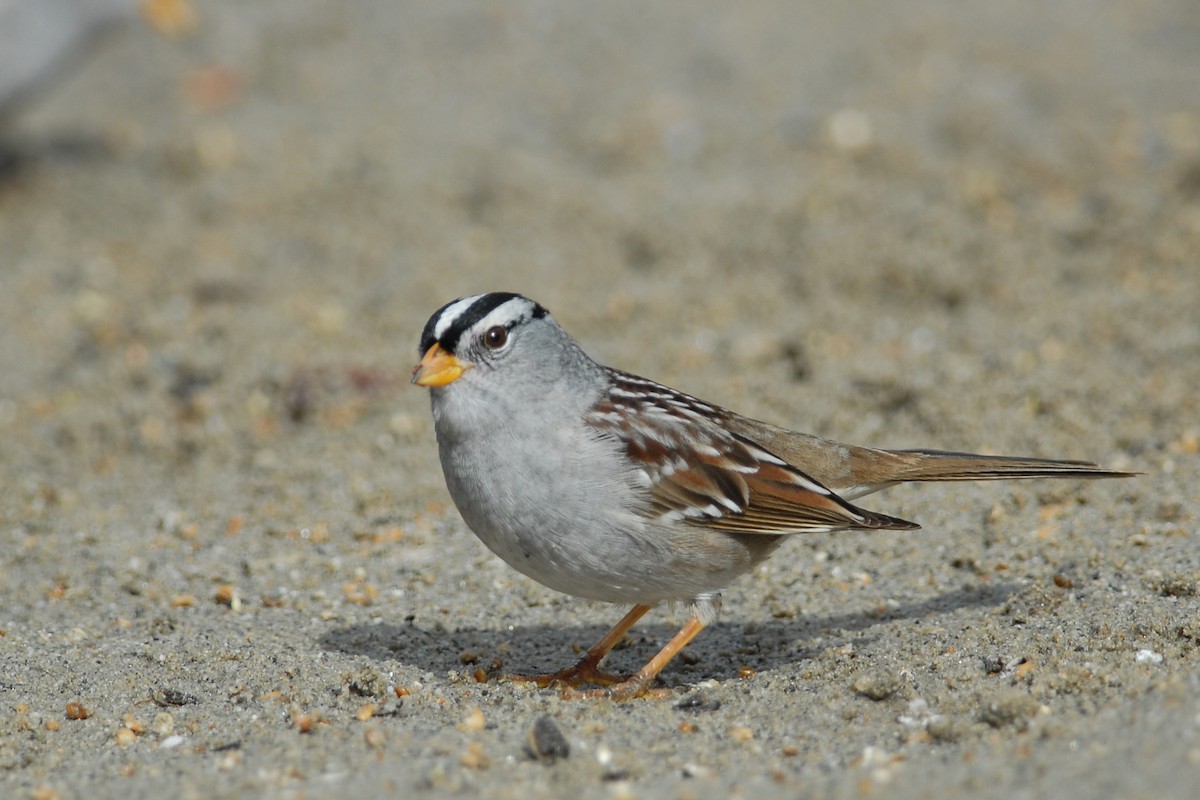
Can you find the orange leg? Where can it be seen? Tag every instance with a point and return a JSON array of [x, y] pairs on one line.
[[587, 670], [639, 683]]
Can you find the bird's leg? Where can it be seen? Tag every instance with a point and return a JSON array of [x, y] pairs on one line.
[[637, 685], [587, 670]]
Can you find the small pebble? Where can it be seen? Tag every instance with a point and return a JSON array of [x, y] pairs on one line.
[[1008, 708], [876, 685], [546, 741], [163, 724], [741, 734], [474, 757], [473, 722], [172, 697], [697, 702], [693, 770], [227, 595]]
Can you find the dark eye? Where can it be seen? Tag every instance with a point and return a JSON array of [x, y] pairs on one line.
[[495, 337]]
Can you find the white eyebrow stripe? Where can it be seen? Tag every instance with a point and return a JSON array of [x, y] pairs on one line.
[[512, 310], [503, 313], [451, 314]]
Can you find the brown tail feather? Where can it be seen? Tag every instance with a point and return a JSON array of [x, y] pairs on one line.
[[853, 471], [942, 465]]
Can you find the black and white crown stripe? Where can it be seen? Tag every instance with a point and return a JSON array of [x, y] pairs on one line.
[[447, 326]]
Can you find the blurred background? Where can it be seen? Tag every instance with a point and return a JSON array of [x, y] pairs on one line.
[[971, 225], [810, 189]]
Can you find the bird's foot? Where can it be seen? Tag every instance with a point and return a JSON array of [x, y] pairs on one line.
[[586, 671]]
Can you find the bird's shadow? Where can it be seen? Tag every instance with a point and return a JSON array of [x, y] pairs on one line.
[[546, 648]]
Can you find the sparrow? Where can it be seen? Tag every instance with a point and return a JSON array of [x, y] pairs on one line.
[[609, 486]]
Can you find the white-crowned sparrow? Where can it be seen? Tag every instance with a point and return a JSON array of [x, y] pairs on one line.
[[604, 485]]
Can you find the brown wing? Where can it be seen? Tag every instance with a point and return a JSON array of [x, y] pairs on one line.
[[696, 471]]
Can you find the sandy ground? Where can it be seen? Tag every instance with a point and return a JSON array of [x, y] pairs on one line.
[[223, 529]]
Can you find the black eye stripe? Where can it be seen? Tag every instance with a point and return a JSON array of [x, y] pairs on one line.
[[471, 317], [468, 319]]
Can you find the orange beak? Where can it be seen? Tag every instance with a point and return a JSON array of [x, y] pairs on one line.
[[438, 368]]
